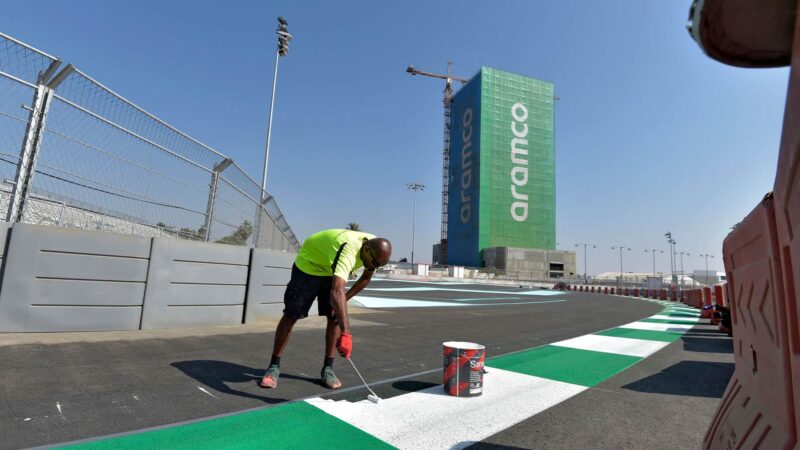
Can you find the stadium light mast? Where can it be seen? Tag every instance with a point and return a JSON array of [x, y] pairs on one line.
[[585, 276], [414, 187], [283, 49]]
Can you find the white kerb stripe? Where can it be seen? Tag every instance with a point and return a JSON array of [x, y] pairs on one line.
[[431, 419], [657, 326], [676, 319], [612, 344]]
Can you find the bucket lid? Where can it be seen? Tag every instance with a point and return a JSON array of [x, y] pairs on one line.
[[463, 345]]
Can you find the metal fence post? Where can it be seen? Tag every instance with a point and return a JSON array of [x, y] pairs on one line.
[[212, 196], [29, 152]]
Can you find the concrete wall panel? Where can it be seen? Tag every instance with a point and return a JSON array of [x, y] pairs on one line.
[[62, 279], [195, 284], [269, 274]]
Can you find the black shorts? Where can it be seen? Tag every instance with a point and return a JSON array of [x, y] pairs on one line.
[[301, 292]]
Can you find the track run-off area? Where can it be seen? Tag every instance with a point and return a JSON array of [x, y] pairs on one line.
[[543, 348]]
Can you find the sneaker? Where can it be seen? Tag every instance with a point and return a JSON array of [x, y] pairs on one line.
[[329, 379], [270, 380]]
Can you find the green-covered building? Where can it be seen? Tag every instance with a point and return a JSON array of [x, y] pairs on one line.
[[502, 166]]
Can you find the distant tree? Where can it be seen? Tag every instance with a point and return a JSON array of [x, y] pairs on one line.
[[353, 226], [240, 236], [403, 260], [191, 233]]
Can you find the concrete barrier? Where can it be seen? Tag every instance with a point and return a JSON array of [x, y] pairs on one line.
[[270, 272], [66, 279], [195, 284]]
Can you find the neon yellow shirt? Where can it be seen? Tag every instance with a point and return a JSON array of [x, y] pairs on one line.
[[332, 252]]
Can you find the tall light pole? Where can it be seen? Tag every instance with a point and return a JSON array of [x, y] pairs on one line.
[[683, 274], [706, 256], [585, 277], [621, 273], [653, 251], [672, 243], [414, 187], [283, 49]]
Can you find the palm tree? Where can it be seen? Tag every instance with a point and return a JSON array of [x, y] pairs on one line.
[[353, 226]]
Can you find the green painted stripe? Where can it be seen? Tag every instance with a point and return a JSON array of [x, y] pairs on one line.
[[670, 322], [581, 367], [294, 425], [647, 335]]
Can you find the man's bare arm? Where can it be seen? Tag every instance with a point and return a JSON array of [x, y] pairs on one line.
[[339, 303], [362, 282]]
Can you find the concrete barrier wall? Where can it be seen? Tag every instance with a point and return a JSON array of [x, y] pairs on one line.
[[195, 284], [65, 279], [270, 272]]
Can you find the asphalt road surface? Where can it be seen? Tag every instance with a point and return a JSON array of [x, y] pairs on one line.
[[77, 386]]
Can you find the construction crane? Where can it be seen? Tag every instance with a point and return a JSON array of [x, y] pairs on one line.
[[448, 98]]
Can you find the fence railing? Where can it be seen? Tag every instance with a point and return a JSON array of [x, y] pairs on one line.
[[71, 147]]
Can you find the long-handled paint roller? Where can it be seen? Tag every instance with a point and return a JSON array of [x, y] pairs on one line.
[[373, 397]]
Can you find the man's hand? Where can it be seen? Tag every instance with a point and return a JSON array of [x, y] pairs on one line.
[[345, 345]]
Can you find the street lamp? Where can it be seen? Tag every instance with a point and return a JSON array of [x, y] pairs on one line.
[[620, 248], [683, 274], [653, 251], [283, 49], [706, 256], [414, 187], [585, 277]]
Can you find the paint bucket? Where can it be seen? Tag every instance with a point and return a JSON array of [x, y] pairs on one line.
[[463, 368]]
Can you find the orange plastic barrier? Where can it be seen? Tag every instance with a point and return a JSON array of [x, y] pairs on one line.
[[787, 217], [592, 290], [605, 290], [663, 295], [646, 293], [719, 294], [707, 312], [654, 294], [627, 291], [612, 290], [757, 409], [635, 292]]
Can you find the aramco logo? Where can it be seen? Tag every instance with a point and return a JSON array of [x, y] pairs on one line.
[[519, 153], [466, 165]]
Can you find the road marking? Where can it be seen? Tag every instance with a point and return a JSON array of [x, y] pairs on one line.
[[479, 291], [517, 386], [446, 422], [676, 318], [611, 344], [656, 326], [389, 302]]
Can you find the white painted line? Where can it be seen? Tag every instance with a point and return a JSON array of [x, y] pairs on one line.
[[209, 393], [385, 302], [676, 319], [431, 419], [657, 326], [611, 344], [481, 291]]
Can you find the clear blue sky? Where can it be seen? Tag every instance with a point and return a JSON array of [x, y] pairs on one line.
[[651, 135]]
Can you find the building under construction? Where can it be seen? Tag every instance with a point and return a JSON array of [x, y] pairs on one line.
[[502, 166]]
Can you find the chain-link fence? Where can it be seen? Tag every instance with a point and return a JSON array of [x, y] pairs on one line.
[[101, 162]]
